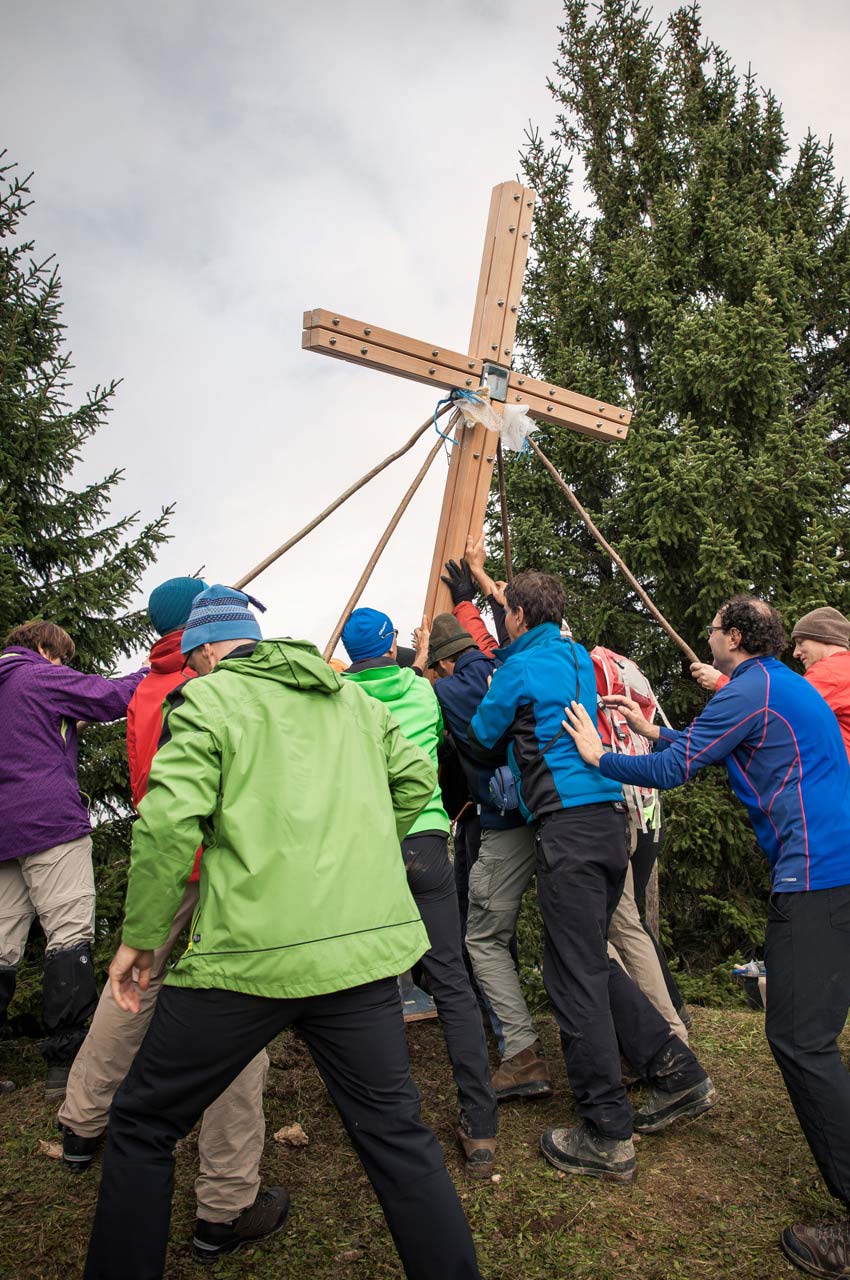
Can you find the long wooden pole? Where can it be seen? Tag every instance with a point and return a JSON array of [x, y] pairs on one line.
[[376, 554], [343, 497], [503, 505], [606, 546]]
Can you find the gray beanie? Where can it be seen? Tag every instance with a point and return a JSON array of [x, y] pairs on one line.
[[826, 624]]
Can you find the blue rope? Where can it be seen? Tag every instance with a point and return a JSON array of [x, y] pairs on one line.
[[454, 395]]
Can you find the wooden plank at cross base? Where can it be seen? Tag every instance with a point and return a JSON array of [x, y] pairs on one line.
[[464, 506]]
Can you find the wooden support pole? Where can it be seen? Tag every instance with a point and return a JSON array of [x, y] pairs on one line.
[[503, 505], [343, 497], [653, 902], [376, 554], [464, 506], [609, 550]]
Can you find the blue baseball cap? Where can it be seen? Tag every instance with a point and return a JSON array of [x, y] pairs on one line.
[[367, 634], [221, 613]]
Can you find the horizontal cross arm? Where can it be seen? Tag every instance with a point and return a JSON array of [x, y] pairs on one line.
[[380, 349], [335, 335], [370, 335], [569, 408]]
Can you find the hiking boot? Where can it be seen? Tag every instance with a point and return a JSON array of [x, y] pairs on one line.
[[822, 1250], [525, 1075], [56, 1083], [663, 1109], [266, 1216], [479, 1153], [583, 1149], [78, 1153]]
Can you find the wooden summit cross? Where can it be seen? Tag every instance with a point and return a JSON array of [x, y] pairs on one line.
[[488, 361]]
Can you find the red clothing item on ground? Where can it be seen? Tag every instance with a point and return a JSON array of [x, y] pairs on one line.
[[831, 677], [144, 715]]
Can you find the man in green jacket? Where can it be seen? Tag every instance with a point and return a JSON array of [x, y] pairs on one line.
[[370, 641], [299, 788]]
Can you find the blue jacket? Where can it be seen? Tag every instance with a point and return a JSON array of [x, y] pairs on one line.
[[783, 750], [460, 695], [526, 703]]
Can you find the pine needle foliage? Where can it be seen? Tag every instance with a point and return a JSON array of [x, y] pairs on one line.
[[64, 556], [707, 287]]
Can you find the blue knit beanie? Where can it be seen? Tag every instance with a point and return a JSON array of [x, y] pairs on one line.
[[171, 602], [367, 634], [221, 613]]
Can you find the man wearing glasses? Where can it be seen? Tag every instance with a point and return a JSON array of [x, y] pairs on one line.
[[786, 761]]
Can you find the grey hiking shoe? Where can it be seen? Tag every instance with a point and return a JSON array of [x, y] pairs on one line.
[[583, 1149], [264, 1218], [822, 1250], [663, 1109]]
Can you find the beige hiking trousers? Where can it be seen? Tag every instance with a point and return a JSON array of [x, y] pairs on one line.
[[230, 1142], [631, 945], [57, 885]]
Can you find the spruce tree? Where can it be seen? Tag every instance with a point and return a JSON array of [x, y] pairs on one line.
[[63, 556], [707, 288]]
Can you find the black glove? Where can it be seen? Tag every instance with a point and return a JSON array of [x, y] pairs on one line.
[[459, 581]]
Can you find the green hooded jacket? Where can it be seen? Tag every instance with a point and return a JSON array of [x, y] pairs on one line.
[[299, 788], [414, 704]]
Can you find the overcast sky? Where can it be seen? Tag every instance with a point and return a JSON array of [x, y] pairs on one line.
[[206, 171]]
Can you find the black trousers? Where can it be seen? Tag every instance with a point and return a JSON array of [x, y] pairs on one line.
[[807, 957], [197, 1043], [432, 883], [582, 857]]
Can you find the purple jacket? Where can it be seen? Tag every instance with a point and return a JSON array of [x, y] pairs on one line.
[[40, 704]]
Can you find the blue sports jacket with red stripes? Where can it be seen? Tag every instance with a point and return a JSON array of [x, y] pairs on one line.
[[783, 750]]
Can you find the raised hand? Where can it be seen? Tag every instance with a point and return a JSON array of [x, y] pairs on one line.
[[459, 581], [421, 643], [705, 675]]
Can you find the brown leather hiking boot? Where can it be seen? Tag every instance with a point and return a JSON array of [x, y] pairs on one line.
[[822, 1250], [525, 1075], [479, 1153]]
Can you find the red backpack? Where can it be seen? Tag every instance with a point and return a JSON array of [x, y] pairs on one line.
[[618, 675]]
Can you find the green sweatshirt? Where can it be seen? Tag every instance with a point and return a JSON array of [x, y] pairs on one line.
[[414, 704], [299, 788]]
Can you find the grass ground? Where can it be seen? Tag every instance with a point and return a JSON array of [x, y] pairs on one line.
[[709, 1201]]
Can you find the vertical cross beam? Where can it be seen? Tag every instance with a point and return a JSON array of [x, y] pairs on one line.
[[494, 322]]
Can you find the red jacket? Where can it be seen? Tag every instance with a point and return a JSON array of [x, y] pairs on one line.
[[144, 714]]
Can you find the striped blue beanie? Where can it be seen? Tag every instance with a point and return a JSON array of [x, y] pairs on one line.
[[221, 613]]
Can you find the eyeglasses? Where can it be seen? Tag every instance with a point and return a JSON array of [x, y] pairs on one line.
[[711, 628]]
